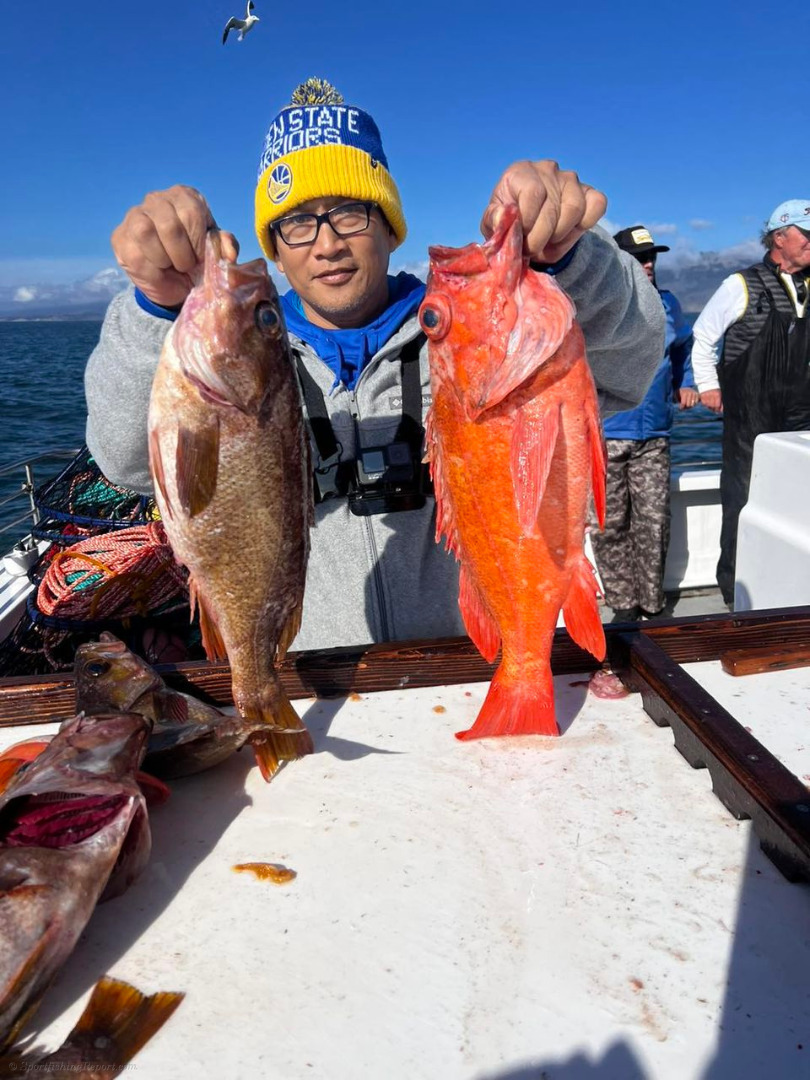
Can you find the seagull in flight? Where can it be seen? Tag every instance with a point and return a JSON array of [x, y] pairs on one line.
[[242, 25]]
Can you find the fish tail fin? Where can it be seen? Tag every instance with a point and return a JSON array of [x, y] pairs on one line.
[[211, 638], [282, 736], [123, 1016], [581, 611], [515, 707]]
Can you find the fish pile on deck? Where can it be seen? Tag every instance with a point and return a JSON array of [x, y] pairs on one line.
[[513, 429], [229, 458]]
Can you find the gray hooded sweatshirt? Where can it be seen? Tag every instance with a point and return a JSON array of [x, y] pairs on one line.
[[379, 578]]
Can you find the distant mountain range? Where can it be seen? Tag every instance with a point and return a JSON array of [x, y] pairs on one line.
[[86, 299], [692, 276]]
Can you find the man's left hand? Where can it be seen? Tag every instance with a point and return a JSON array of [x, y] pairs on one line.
[[687, 397], [555, 207]]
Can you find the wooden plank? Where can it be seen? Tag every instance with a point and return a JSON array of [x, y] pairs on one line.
[[768, 658], [42, 699], [746, 776], [689, 640]]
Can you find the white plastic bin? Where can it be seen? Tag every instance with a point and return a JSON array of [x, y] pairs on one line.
[[773, 540]]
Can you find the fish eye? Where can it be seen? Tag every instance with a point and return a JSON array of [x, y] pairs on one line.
[[434, 315], [266, 316], [97, 667]]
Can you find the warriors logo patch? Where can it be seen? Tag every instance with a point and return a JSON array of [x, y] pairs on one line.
[[279, 184]]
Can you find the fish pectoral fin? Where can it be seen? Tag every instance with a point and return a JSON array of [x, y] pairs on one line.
[[211, 638], [121, 1015], [290, 631], [543, 317], [598, 461], [197, 463], [581, 610], [534, 439], [481, 627]]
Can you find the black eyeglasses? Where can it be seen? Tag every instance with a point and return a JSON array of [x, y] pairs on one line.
[[646, 256], [348, 219]]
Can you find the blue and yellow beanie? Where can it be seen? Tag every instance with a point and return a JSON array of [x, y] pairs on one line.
[[318, 147]]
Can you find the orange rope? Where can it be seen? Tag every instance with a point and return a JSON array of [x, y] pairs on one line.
[[134, 569]]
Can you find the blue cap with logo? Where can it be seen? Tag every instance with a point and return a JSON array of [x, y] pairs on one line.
[[792, 212]]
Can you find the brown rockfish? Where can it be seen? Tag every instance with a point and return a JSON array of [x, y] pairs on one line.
[[187, 736], [230, 462], [73, 830]]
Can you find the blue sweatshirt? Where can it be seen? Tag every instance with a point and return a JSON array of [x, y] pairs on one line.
[[652, 419], [347, 352]]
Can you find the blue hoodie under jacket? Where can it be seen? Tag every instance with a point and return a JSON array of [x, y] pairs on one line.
[[652, 419]]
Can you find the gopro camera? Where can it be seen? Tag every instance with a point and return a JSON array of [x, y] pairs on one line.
[[386, 480]]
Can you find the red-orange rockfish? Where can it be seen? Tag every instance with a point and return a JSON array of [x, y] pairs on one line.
[[229, 457], [515, 448]]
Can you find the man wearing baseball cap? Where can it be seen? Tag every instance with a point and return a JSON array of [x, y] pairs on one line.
[[751, 360], [631, 551]]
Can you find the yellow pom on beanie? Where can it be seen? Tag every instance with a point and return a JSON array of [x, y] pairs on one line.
[[317, 148]]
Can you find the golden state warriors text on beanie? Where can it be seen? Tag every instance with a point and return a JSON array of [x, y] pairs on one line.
[[319, 147]]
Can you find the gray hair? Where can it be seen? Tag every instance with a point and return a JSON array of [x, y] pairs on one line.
[[767, 238]]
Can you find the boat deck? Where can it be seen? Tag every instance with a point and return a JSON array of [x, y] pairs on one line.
[[571, 908]]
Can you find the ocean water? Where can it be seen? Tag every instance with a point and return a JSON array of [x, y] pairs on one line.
[[41, 374], [43, 409]]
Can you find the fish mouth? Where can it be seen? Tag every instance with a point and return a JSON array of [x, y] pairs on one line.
[[58, 819]]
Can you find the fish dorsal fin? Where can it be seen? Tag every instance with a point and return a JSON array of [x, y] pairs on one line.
[[481, 627], [197, 461], [534, 438], [598, 460], [211, 638], [290, 631], [159, 472], [543, 315], [581, 611], [445, 512]]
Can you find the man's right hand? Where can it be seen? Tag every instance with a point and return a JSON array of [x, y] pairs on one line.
[[713, 400], [161, 244]]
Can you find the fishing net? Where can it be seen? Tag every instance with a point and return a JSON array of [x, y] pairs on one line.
[[108, 566]]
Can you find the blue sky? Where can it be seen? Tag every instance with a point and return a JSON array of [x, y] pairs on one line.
[[682, 113]]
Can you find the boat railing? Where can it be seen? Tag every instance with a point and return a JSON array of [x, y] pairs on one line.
[[24, 495]]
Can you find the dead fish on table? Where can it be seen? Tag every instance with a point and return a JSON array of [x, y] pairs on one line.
[[116, 1023], [230, 462], [187, 735], [73, 831]]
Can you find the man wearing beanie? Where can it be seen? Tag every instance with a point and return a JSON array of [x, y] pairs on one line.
[[328, 213], [751, 359]]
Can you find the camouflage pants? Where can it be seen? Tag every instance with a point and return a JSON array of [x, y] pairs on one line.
[[632, 549]]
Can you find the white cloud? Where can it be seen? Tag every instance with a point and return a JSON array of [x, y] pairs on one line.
[[667, 229], [608, 226], [25, 294], [700, 223], [418, 269]]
